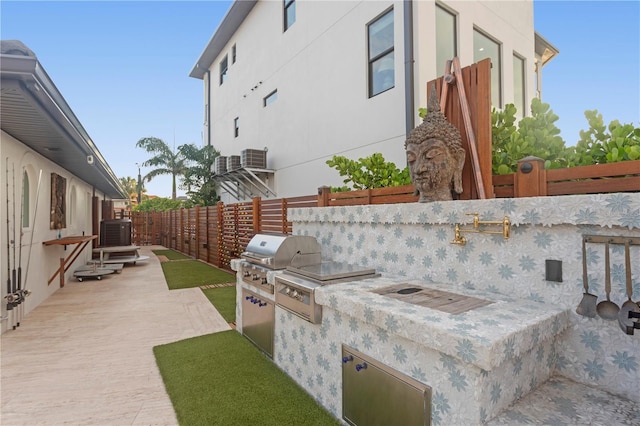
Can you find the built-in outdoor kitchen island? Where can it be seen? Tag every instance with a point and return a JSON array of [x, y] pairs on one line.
[[470, 327]]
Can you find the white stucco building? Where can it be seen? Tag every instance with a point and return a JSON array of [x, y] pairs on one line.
[[54, 180], [306, 80]]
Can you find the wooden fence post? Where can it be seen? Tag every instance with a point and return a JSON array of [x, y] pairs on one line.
[[283, 206], [257, 223], [323, 196], [219, 225], [531, 178], [197, 232]]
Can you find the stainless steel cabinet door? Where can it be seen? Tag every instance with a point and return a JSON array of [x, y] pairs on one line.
[[376, 394]]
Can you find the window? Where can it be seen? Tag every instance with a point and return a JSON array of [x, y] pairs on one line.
[[289, 13], [518, 86], [233, 54], [380, 53], [25, 200], [270, 98], [236, 127], [484, 47], [224, 68], [446, 41]]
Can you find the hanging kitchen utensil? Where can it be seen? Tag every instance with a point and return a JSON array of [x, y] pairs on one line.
[[607, 309], [625, 318], [587, 306]]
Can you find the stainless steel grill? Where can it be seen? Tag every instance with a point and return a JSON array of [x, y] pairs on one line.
[[267, 252], [296, 286]]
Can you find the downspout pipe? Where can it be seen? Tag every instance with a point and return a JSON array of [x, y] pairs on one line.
[[408, 67], [208, 109]]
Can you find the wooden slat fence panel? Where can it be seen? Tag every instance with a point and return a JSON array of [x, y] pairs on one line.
[[190, 240], [477, 87], [594, 179], [273, 216], [244, 230], [213, 235], [392, 195]]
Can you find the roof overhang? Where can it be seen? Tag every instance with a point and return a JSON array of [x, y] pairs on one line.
[[230, 23], [545, 51], [33, 111]]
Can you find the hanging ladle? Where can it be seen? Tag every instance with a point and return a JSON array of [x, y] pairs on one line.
[[624, 318], [607, 309], [587, 306]]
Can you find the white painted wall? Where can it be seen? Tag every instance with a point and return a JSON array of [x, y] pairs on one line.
[[42, 260], [319, 68]]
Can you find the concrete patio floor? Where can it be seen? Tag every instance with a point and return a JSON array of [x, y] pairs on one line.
[[84, 356]]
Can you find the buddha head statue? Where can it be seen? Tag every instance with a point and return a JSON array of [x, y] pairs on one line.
[[435, 155]]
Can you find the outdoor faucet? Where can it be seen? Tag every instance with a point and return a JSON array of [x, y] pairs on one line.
[[458, 238], [505, 222]]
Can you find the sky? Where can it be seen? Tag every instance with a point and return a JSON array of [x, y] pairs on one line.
[[123, 66]]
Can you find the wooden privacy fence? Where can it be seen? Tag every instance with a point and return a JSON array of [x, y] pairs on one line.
[[532, 180], [219, 233]]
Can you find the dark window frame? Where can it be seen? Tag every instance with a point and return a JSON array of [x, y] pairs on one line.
[[270, 98], [288, 5], [372, 60], [439, 6], [224, 69], [236, 127]]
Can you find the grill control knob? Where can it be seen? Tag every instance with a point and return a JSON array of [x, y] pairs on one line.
[[246, 273], [287, 291], [295, 294], [264, 280], [255, 277]]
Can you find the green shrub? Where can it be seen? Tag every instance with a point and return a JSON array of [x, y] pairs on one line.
[[536, 135], [368, 172], [606, 144]]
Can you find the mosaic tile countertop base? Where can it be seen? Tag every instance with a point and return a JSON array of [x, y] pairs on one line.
[[485, 336], [561, 401]]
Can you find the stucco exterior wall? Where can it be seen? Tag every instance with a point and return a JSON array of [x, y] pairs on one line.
[[319, 68], [42, 260]]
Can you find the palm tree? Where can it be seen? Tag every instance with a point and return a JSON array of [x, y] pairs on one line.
[[165, 160], [201, 188], [131, 187]]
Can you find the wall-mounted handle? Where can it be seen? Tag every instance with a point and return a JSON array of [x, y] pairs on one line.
[[346, 359]]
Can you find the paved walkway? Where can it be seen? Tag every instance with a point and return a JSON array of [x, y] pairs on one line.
[[84, 356]]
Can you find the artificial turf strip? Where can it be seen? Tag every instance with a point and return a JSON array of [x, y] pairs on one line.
[[224, 300], [192, 273], [222, 379], [171, 254]]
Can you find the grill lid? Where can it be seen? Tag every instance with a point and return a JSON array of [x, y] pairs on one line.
[[332, 271], [277, 251]]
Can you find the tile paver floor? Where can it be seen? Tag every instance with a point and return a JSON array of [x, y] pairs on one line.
[[85, 355]]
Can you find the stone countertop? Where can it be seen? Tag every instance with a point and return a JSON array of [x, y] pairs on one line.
[[485, 336]]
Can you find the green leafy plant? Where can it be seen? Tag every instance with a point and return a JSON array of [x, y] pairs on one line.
[[536, 135], [606, 144], [158, 204], [368, 172]]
